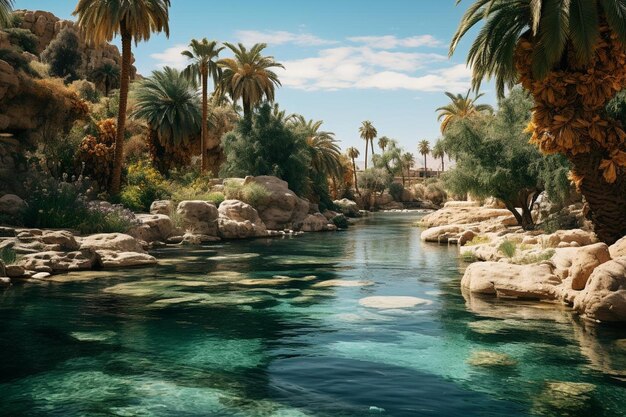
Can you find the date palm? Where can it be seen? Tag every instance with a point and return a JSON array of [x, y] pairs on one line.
[[570, 56], [383, 141], [439, 152], [461, 106], [203, 55], [169, 104], [325, 153], [424, 149], [408, 160], [249, 75], [368, 132], [5, 12], [354, 153], [102, 20], [107, 76]]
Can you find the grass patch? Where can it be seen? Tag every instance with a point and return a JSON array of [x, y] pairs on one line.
[[468, 257], [478, 240], [508, 248], [535, 258], [8, 256], [254, 194]]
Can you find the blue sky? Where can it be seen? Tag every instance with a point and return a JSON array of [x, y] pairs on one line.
[[346, 60]]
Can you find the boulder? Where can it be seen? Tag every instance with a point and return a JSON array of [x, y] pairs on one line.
[[604, 297], [577, 264], [119, 242], [283, 207], [618, 249], [113, 259], [199, 217], [457, 204], [578, 236], [534, 281], [347, 207], [64, 239], [14, 271], [238, 220], [153, 228], [165, 207], [53, 261], [316, 223], [464, 215], [11, 204], [441, 234]]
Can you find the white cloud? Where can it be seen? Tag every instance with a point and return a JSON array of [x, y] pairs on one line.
[[391, 42], [456, 78], [171, 57], [280, 38]]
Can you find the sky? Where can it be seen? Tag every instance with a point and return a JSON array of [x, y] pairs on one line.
[[345, 61]]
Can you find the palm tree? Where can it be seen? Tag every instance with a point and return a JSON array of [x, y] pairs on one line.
[[354, 153], [368, 132], [439, 152], [570, 56], [100, 21], [408, 160], [248, 76], [424, 149], [204, 63], [168, 102], [383, 141], [461, 107], [5, 12], [107, 76], [325, 153]]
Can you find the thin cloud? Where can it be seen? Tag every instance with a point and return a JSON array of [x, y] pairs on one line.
[[281, 38], [171, 57], [392, 42]]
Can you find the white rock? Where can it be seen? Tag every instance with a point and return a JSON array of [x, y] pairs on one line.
[[113, 259], [283, 207], [604, 297], [199, 217]]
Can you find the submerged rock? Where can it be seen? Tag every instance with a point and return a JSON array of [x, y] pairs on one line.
[[564, 398], [488, 359], [342, 283], [113, 259], [391, 302]]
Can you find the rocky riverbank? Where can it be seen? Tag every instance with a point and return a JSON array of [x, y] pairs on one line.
[[567, 266], [41, 253]]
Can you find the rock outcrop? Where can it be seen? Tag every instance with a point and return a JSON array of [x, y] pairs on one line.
[[238, 220], [283, 208], [347, 207], [199, 217], [604, 297]]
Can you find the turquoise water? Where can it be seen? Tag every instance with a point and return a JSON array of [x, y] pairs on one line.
[[245, 329]]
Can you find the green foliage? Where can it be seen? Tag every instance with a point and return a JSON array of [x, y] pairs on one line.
[[396, 190], [144, 185], [435, 194], [468, 257], [8, 256], [24, 39], [535, 258], [63, 55], [254, 194], [86, 90], [341, 221], [508, 248], [265, 145], [374, 179], [17, 61], [478, 240]]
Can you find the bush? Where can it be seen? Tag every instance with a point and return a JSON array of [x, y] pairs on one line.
[[96, 153], [24, 39], [40, 69], [136, 149], [86, 90], [17, 61], [8, 256], [254, 194], [435, 194], [144, 185], [63, 55], [374, 179], [396, 190], [341, 221], [419, 191], [508, 248]]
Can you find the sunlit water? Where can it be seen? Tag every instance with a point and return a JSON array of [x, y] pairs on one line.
[[199, 335]]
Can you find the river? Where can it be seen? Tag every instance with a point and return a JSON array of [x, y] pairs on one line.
[[202, 335]]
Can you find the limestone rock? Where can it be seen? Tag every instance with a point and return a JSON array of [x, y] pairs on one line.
[[111, 241], [54, 261], [113, 259], [11, 204], [153, 228], [283, 207], [441, 234], [63, 238], [239, 220], [577, 264], [604, 297], [467, 215], [618, 249], [534, 281], [347, 207], [581, 237], [199, 217], [14, 271], [316, 223], [165, 207]]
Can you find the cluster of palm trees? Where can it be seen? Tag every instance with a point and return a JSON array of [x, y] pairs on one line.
[[247, 76]]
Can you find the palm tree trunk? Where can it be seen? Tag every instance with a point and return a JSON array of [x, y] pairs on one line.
[[247, 109], [372, 144], [356, 184], [118, 160], [366, 155], [107, 87], [425, 167], [443, 168], [607, 202], [205, 114]]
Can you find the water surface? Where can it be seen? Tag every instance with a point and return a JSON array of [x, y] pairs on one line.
[[243, 328]]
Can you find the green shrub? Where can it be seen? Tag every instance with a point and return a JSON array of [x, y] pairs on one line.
[[63, 55], [86, 90], [396, 190], [17, 61], [8, 256], [254, 194], [508, 248], [341, 221], [374, 179], [144, 185], [419, 191], [535, 258], [23, 39], [468, 257], [435, 194], [478, 240]]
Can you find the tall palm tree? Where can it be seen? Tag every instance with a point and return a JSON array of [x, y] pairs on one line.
[[570, 56], [383, 141], [354, 153], [368, 132], [249, 76], [461, 107], [203, 55], [439, 152], [408, 160], [107, 76], [5, 12], [424, 149], [325, 153], [100, 21], [168, 102]]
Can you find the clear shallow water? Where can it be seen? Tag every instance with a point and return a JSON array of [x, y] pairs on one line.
[[202, 335]]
